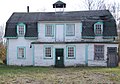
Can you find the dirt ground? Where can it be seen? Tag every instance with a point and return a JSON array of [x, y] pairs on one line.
[[66, 78], [61, 76]]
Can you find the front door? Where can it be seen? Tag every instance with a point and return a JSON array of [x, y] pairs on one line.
[[112, 58], [59, 60]]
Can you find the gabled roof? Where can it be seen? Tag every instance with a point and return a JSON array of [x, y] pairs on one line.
[[88, 18], [61, 16]]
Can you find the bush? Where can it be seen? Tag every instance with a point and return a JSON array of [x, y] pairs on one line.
[[2, 52]]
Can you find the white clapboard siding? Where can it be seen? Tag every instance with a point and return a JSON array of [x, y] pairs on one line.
[[12, 52], [43, 38], [79, 57]]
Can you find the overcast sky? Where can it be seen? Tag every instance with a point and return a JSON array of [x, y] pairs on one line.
[[7, 7]]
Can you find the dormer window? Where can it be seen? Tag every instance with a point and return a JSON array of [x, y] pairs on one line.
[[98, 28], [21, 29]]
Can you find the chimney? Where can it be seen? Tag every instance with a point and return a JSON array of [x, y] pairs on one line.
[[27, 9]]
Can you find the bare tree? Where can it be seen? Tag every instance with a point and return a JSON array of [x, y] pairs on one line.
[[2, 53], [1, 33], [100, 5], [114, 7], [95, 4], [89, 4]]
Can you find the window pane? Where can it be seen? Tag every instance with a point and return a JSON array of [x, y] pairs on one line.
[[48, 52], [21, 53], [70, 29], [21, 30], [70, 51], [98, 30], [49, 30], [99, 52]]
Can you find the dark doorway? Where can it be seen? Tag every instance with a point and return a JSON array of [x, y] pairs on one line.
[[59, 59], [112, 59]]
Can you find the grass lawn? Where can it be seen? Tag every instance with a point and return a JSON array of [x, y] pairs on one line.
[[50, 75]]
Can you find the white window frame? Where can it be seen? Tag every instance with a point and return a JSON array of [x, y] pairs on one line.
[[99, 52], [21, 29], [49, 53], [21, 55], [49, 30], [98, 27], [71, 53], [70, 29]]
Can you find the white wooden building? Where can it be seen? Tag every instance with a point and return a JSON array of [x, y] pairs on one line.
[[61, 39]]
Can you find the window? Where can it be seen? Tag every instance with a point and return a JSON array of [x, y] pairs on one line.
[[49, 30], [71, 51], [98, 28], [70, 29], [48, 52], [21, 52], [21, 29], [99, 52]]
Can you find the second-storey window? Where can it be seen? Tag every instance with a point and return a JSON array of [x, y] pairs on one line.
[[70, 29], [98, 28], [49, 31], [21, 29]]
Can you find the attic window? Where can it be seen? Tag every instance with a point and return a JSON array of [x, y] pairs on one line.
[[98, 28], [21, 29]]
